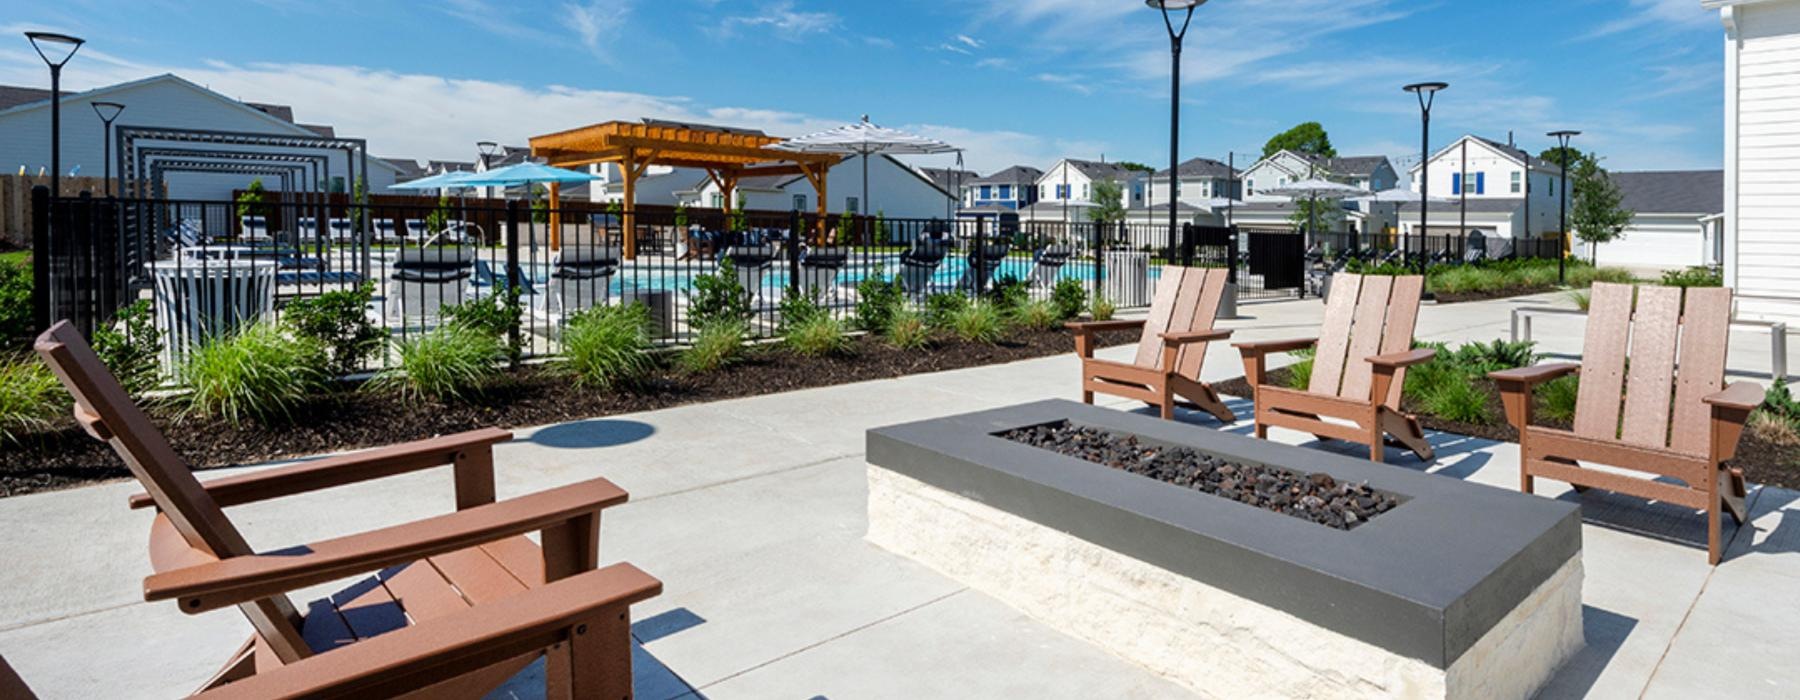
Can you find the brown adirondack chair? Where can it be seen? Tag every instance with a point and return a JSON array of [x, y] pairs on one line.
[[484, 601], [1358, 369], [1171, 351], [1676, 349]]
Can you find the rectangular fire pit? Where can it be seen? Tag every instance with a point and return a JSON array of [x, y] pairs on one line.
[[1453, 590]]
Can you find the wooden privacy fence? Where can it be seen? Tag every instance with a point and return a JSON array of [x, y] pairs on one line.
[[15, 202]]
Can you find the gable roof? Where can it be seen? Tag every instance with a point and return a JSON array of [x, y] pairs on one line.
[[408, 168], [1011, 176], [947, 179], [1672, 191], [1199, 167], [14, 95], [439, 166], [1352, 166], [1096, 170], [1513, 153]]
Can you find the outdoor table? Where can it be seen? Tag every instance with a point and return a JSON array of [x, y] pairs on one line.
[[201, 299]]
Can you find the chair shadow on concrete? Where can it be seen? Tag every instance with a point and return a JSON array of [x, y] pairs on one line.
[[651, 679], [1606, 632], [591, 434], [1633, 515]]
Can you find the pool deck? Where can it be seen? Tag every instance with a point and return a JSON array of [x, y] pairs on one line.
[[752, 511]]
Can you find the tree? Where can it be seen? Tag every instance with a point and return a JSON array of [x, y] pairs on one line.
[[250, 201], [1309, 137], [1109, 198], [540, 205], [1554, 156], [1596, 213], [1136, 166], [1321, 214]]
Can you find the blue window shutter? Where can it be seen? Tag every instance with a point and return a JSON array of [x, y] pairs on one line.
[[1481, 183], [1455, 183]]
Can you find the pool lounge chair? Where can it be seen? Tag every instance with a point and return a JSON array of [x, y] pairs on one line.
[[751, 263], [307, 229], [427, 279], [1171, 351], [1047, 265], [581, 279], [387, 232], [919, 265], [981, 270], [341, 230], [819, 271], [452, 606], [254, 228], [1640, 353]]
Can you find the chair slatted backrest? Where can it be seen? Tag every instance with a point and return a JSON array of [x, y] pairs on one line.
[[1187, 300], [1365, 316], [108, 413], [1676, 349]]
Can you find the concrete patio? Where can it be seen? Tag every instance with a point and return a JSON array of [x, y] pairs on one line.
[[752, 512]]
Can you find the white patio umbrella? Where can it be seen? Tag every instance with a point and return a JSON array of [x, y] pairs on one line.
[[1398, 195], [1313, 189], [865, 139]]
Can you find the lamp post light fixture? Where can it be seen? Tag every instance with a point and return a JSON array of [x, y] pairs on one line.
[[107, 111], [487, 149], [1427, 94], [56, 50], [1562, 228], [1168, 8]]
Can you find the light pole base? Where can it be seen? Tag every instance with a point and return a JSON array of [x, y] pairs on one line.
[[1228, 302]]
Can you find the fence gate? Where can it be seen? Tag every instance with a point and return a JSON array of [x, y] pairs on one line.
[[75, 262], [1276, 263]]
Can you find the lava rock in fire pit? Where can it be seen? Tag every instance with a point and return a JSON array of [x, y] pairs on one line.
[[1314, 497]]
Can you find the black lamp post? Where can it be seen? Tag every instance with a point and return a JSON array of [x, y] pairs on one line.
[[1427, 94], [487, 148], [56, 50], [107, 111], [1175, 38], [1562, 235]]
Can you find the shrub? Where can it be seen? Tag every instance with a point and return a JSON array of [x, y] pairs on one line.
[[1069, 297], [907, 330], [1460, 401], [257, 373], [1556, 398], [817, 336], [1101, 309], [30, 397], [1300, 373], [606, 345], [942, 308], [1008, 294], [718, 297], [719, 344], [1478, 359], [490, 316], [339, 320], [129, 347], [15, 304], [798, 309], [448, 362], [1582, 276], [1693, 277], [1581, 297], [878, 299], [1424, 379], [978, 323], [1038, 315]]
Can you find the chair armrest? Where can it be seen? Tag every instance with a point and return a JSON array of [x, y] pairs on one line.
[[1195, 336], [239, 579], [1098, 326], [1264, 347], [1741, 396], [342, 470], [1403, 359], [1535, 374], [442, 648]]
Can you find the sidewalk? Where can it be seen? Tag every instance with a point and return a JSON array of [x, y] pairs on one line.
[[752, 512]]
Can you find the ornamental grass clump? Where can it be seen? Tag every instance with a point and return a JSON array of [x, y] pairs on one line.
[[978, 323], [1101, 309], [942, 308], [30, 397], [259, 372], [717, 346], [1461, 401], [817, 336], [450, 362], [607, 345], [1039, 316], [1556, 398], [907, 331]]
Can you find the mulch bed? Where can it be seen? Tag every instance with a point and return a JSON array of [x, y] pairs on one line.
[[1461, 297], [349, 420], [1763, 462]]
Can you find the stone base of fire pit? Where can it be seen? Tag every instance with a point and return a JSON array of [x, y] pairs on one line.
[[1247, 605]]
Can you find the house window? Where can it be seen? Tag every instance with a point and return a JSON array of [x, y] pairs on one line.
[[799, 202], [987, 192], [1250, 186], [718, 200], [1006, 192], [851, 205], [1062, 191], [1517, 178], [1085, 192]]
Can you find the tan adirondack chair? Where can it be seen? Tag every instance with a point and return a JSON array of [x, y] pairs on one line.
[[1676, 349], [482, 599], [1358, 369], [1172, 350]]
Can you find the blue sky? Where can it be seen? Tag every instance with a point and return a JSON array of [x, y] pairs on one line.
[[1010, 80]]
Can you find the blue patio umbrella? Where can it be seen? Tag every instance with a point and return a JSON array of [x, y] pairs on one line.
[[445, 180], [527, 173]]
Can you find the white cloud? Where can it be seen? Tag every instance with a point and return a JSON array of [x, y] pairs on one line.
[[1657, 14], [597, 23], [785, 21], [879, 42], [1071, 81], [954, 48], [968, 41]]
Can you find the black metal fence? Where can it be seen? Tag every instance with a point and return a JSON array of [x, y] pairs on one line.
[[1438, 249], [206, 265]]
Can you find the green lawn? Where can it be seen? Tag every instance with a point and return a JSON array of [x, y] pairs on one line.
[[14, 258]]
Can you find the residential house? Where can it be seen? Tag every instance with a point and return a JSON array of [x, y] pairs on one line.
[[1490, 179], [1065, 192], [897, 191], [1262, 212], [1004, 192], [1204, 184], [167, 101], [1677, 222], [1762, 156]]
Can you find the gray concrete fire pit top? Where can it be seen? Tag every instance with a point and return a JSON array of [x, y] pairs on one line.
[[1426, 579]]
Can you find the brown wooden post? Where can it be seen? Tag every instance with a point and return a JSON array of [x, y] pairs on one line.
[[628, 167], [555, 203]]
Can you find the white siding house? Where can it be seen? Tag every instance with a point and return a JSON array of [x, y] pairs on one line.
[[896, 191], [166, 101], [1676, 219], [1762, 156], [1066, 190], [1492, 178]]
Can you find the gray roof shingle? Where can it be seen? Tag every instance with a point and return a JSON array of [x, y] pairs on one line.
[[1200, 167], [15, 95], [1673, 191], [1097, 170], [1015, 175]]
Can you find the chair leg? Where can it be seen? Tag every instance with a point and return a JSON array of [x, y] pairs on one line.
[[1087, 397], [1167, 405], [1713, 547]]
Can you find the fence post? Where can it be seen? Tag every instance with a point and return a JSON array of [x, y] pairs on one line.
[[1099, 258], [1187, 245], [980, 256], [513, 272], [795, 227], [83, 275], [40, 258], [1231, 256]]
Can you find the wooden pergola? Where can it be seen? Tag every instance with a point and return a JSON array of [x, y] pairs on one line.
[[727, 156]]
